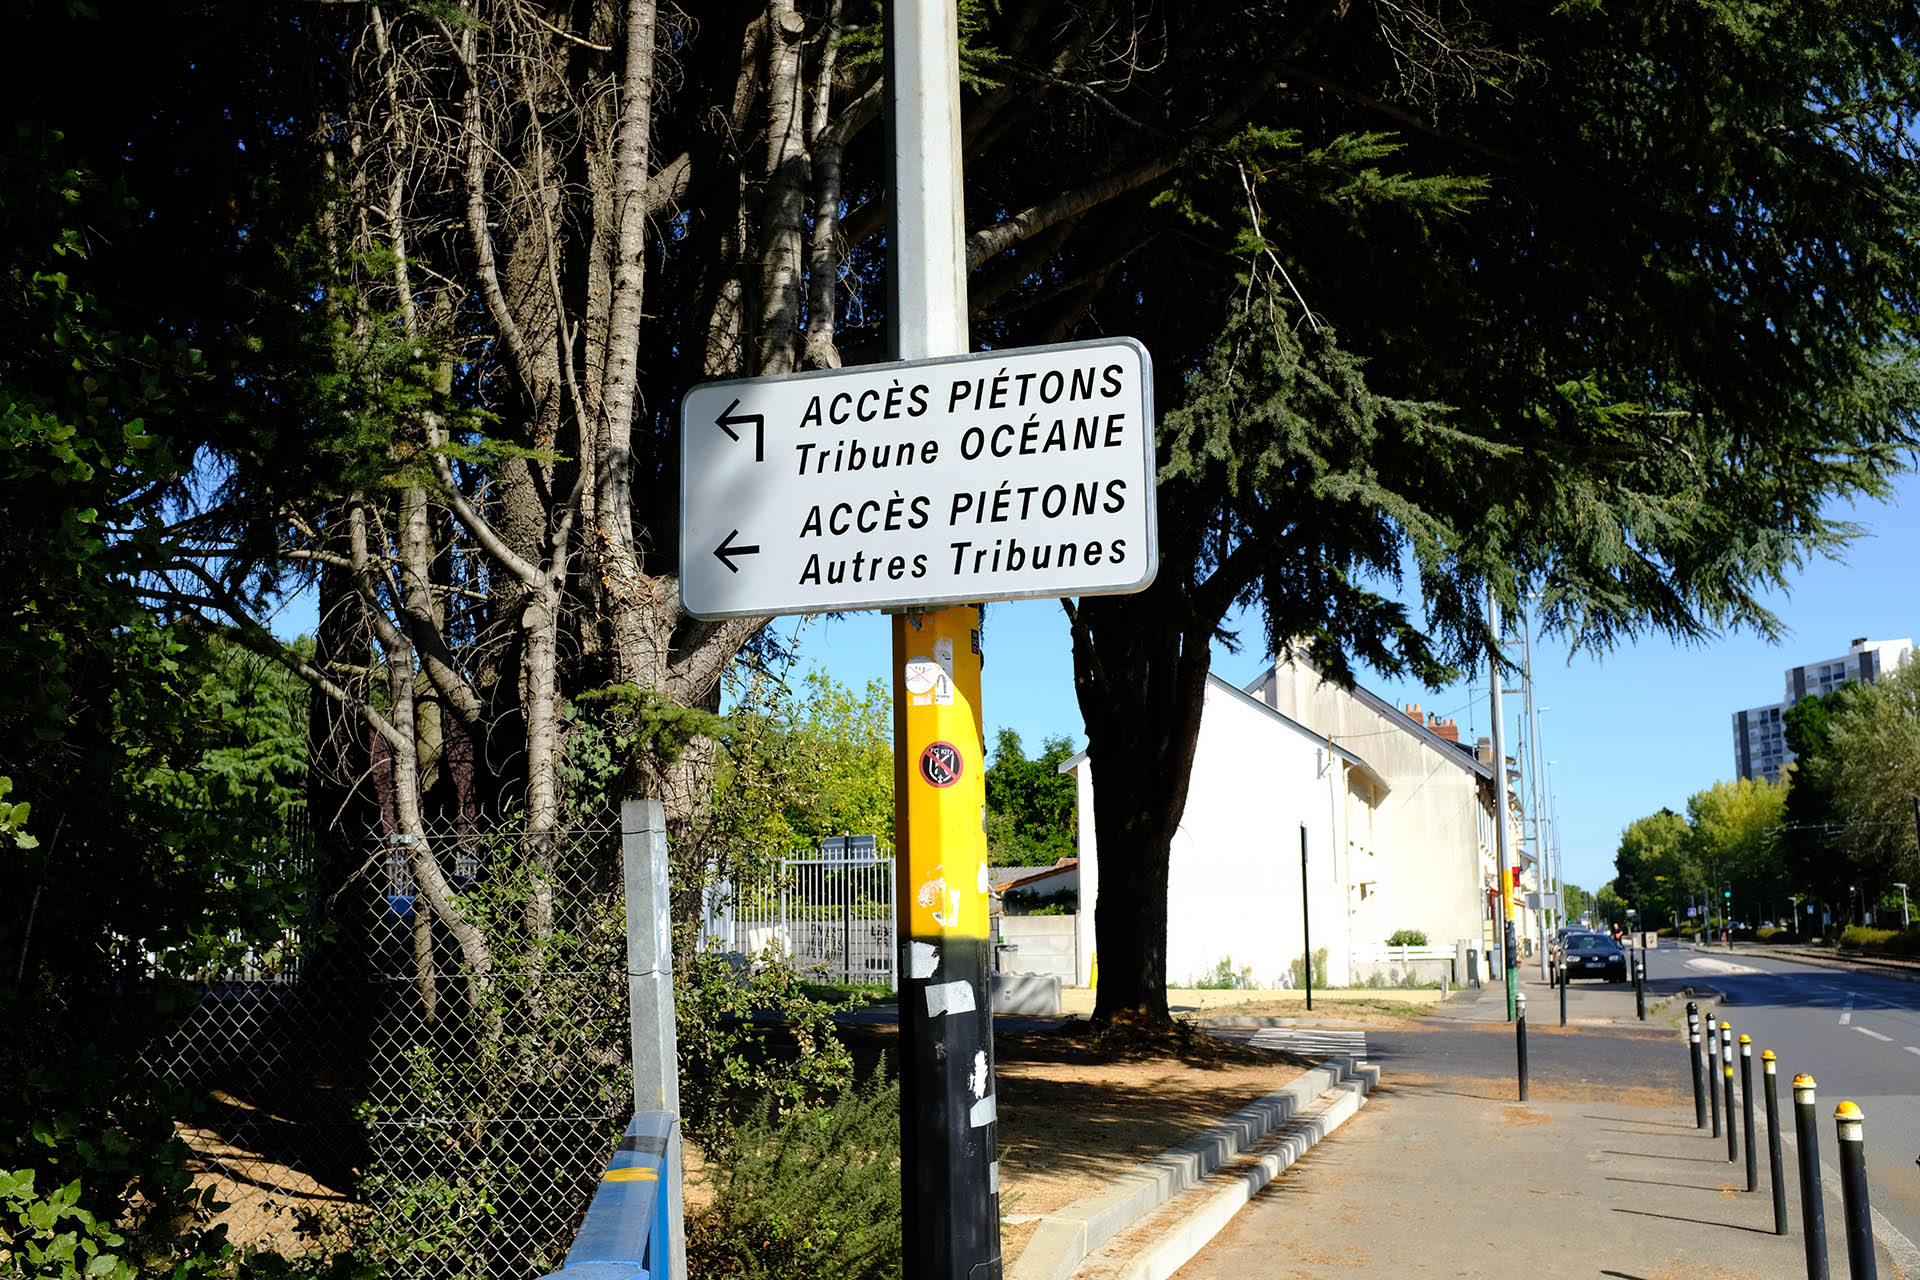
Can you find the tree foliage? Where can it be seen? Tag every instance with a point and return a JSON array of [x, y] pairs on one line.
[[804, 763], [1031, 805], [1871, 770], [155, 773], [1598, 340]]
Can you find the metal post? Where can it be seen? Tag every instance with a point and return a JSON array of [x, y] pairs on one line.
[[1813, 1210], [1640, 988], [1726, 1079], [1306, 921], [1693, 1059], [1773, 1143], [1520, 1041], [1563, 990], [1711, 1063], [949, 1173], [1850, 1127], [656, 1058], [1746, 1109], [1510, 955]]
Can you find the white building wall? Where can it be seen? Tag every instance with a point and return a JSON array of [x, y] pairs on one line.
[[1759, 738], [1430, 861], [1234, 883]]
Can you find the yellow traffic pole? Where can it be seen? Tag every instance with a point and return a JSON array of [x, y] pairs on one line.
[[950, 1170]]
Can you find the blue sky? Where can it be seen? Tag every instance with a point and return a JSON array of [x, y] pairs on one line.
[[1643, 727]]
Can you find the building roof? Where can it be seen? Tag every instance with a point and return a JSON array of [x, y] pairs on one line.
[[1459, 753], [1366, 770]]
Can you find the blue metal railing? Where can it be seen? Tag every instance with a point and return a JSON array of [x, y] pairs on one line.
[[624, 1235]]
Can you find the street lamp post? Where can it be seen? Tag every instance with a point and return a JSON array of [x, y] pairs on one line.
[[1905, 919]]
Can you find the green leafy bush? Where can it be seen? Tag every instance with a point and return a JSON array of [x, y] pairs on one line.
[[51, 1235], [1224, 977], [748, 1034], [813, 1194], [1408, 938], [1899, 942]]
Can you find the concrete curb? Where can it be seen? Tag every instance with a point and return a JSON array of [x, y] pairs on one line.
[[1197, 1223], [1065, 1237]]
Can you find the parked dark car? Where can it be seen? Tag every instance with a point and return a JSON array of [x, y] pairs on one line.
[[1595, 955]]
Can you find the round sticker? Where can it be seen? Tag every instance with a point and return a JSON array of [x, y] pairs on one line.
[[940, 764], [922, 674]]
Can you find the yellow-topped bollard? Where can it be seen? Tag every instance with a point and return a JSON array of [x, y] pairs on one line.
[[1813, 1209], [1851, 1127], [1769, 1064]]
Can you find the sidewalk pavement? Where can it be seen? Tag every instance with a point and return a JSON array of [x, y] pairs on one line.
[[1447, 1174]]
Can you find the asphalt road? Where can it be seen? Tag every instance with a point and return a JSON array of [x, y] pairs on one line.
[[1857, 1034]]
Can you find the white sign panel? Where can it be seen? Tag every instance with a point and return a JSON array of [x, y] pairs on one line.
[[995, 476]]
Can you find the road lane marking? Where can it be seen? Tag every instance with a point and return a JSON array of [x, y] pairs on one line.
[[1846, 1019], [1913, 1049], [1875, 1034]]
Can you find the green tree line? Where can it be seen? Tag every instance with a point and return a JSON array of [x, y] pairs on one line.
[[1838, 833]]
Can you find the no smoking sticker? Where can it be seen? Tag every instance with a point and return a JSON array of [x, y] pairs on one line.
[[940, 764]]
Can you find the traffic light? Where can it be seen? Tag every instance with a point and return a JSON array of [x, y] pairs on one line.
[[1726, 889]]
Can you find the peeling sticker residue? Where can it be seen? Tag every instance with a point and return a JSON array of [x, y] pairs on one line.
[[949, 997], [981, 882], [993, 1177], [922, 959], [943, 654], [936, 897], [977, 1078], [983, 1113]]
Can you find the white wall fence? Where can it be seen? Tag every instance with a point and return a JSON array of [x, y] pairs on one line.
[[1403, 966], [1044, 945]]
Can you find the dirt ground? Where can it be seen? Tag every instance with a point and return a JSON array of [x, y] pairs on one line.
[[1074, 1111], [1075, 1108]]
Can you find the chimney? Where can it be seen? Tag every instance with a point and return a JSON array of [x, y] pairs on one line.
[[1412, 709], [1483, 750], [1447, 729]]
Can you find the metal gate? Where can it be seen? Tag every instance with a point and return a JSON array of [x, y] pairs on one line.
[[832, 916], [836, 917]]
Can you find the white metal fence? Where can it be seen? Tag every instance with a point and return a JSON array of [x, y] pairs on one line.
[[832, 917]]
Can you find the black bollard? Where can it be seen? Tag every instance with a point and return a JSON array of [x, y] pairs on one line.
[[1563, 990], [1726, 1077], [1640, 986], [1711, 1065], [1773, 1143], [1693, 1055], [1850, 1125], [1520, 1040], [1746, 1109], [1813, 1210]]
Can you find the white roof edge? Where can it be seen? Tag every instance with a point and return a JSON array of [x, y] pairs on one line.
[[1320, 739], [1446, 748]]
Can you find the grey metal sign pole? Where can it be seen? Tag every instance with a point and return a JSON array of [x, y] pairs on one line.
[[949, 1168], [1509, 953]]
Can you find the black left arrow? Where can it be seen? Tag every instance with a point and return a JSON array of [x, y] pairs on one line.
[[727, 550], [728, 420]]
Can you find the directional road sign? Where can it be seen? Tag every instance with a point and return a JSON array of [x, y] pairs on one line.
[[995, 476]]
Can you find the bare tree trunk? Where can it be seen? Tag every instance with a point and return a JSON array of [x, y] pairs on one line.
[[823, 272], [783, 210]]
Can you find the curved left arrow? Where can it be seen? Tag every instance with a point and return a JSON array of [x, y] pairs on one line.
[[728, 549]]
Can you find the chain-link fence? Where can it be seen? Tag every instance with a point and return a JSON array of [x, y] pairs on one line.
[[437, 1081]]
